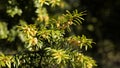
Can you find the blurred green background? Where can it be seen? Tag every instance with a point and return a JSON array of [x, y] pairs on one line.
[[102, 24]]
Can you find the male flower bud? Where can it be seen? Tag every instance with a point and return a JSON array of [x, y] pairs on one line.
[[70, 22], [32, 32], [34, 41]]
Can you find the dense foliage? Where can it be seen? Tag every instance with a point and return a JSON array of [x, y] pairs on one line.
[[30, 37]]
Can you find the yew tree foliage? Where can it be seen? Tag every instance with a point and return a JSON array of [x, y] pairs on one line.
[[43, 43]]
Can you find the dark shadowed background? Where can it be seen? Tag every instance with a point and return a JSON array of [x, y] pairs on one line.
[[103, 25]]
